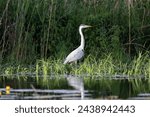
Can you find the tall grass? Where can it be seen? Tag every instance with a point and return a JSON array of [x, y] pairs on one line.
[[38, 29]]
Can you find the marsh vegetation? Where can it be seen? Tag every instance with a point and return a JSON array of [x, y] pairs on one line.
[[36, 36]]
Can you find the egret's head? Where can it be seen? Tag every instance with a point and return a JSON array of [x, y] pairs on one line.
[[84, 26]]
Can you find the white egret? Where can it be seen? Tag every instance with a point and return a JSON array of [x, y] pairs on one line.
[[79, 52]]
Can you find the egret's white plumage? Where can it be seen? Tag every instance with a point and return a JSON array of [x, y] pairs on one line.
[[79, 52]]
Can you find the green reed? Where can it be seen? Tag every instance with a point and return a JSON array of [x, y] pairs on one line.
[[40, 29]]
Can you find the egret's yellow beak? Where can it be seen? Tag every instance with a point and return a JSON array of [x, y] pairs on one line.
[[88, 26]]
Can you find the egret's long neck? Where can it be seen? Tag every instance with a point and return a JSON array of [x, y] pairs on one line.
[[82, 38]]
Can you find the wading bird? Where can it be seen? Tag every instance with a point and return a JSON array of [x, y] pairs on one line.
[[79, 52]]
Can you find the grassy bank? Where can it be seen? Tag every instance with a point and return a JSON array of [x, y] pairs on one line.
[[106, 67], [107, 75]]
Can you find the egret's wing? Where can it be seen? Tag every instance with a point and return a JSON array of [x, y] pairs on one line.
[[74, 55]]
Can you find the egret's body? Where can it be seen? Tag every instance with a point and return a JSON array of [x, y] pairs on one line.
[[79, 52]]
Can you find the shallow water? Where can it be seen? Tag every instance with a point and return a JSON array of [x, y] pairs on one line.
[[73, 87]]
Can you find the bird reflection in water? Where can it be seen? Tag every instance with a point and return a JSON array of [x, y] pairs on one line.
[[77, 83]]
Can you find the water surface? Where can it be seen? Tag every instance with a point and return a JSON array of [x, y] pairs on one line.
[[73, 87]]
